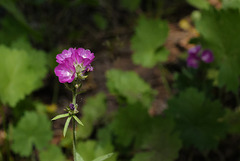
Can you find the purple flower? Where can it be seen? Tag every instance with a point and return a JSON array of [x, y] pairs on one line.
[[71, 106], [65, 54], [195, 50], [65, 72], [195, 55], [193, 61], [207, 56], [73, 64]]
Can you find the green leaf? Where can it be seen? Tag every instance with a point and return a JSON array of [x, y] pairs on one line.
[[52, 153], [95, 107], [163, 141], [143, 156], [131, 125], [229, 74], [90, 149], [66, 125], [200, 4], [228, 4], [77, 119], [130, 5], [22, 69], [129, 87], [32, 130], [92, 112], [104, 157], [197, 119], [223, 41], [60, 116], [85, 131], [213, 75], [147, 43], [78, 157], [66, 141], [232, 119]]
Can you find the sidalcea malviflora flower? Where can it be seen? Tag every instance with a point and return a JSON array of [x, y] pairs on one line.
[[195, 55], [73, 64]]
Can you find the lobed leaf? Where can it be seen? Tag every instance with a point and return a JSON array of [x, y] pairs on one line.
[[147, 43], [33, 129], [129, 87], [223, 41], [91, 149], [22, 69], [52, 153], [197, 119], [92, 111]]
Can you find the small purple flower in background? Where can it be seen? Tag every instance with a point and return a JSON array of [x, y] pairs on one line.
[[195, 50], [195, 55], [193, 61], [207, 56], [73, 64]]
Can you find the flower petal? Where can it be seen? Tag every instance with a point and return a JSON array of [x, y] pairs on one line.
[[65, 54], [207, 56], [85, 53], [193, 61], [65, 73], [195, 50]]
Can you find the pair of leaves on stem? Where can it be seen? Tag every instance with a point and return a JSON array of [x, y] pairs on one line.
[[67, 121], [78, 156]]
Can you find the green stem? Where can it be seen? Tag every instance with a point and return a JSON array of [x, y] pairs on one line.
[[74, 140], [74, 127], [74, 93]]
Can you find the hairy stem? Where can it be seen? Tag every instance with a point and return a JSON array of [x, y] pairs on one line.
[[74, 127], [74, 140]]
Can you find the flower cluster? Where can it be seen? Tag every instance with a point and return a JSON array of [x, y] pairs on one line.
[[195, 55], [73, 64]]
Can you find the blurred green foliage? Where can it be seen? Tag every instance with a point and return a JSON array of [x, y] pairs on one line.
[[93, 111], [231, 4], [197, 114], [52, 153], [147, 43], [218, 32], [22, 69], [130, 5], [197, 119], [127, 85], [32, 130], [201, 4]]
